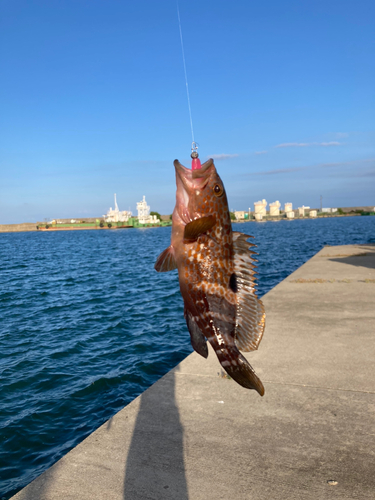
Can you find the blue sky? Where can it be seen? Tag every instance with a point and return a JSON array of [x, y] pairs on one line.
[[93, 102]]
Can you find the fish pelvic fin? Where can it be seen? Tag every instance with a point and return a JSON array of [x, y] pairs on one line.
[[198, 340], [238, 368], [166, 261], [197, 227]]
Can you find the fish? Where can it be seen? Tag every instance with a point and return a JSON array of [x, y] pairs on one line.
[[216, 273]]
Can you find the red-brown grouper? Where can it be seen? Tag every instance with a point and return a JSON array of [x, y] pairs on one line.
[[216, 273]]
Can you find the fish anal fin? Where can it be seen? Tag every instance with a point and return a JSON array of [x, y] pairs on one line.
[[198, 340], [198, 227], [166, 261]]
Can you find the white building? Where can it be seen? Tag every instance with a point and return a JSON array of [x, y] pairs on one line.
[[301, 210], [275, 208], [117, 216], [288, 207], [313, 213], [329, 210], [290, 214], [144, 216], [240, 214], [260, 207]]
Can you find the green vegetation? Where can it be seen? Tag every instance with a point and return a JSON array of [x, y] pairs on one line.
[[340, 211], [158, 216], [232, 216]]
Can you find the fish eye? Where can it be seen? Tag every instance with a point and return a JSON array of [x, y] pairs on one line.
[[218, 190]]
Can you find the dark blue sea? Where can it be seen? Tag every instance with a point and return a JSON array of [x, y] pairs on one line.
[[86, 325]]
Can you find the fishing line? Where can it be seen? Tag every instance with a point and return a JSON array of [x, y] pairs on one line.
[[194, 145]]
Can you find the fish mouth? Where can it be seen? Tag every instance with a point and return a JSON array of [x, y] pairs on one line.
[[189, 184], [193, 179]]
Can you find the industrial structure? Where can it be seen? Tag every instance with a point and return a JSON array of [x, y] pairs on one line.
[[301, 210], [116, 215], [260, 207], [144, 216], [275, 208]]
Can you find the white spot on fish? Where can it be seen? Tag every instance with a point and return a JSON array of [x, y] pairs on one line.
[[220, 338], [222, 402]]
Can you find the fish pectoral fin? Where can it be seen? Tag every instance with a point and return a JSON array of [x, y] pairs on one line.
[[197, 227], [166, 261], [198, 340]]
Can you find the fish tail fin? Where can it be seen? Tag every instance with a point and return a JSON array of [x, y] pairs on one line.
[[238, 368]]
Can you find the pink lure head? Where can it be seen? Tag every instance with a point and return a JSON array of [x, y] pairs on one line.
[[195, 162]]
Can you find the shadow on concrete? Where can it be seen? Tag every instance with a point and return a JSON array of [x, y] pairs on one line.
[[155, 463], [364, 258]]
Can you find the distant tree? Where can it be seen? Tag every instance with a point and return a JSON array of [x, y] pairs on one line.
[[158, 216], [170, 217], [340, 211], [232, 216]]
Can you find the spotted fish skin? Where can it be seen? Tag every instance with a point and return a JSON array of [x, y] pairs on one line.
[[216, 273]]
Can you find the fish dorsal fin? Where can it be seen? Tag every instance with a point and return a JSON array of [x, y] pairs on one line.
[[197, 227], [250, 319], [166, 261]]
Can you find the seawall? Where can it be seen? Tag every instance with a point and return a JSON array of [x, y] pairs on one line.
[[198, 435], [15, 228]]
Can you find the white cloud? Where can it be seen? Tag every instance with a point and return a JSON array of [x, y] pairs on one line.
[[340, 135], [260, 152], [306, 144], [222, 156]]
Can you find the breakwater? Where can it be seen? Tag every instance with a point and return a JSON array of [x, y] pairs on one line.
[[16, 228]]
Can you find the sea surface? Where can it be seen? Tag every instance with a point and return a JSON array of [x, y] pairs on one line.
[[86, 325]]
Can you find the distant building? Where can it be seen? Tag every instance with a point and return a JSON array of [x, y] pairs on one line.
[[313, 213], [116, 215], [290, 214], [329, 210], [144, 216], [288, 207], [241, 215], [260, 207], [275, 208], [301, 210]]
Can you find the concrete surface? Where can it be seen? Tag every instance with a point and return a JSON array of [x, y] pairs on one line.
[[196, 435]]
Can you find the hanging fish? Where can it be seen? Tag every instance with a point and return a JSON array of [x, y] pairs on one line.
[[216, 272]]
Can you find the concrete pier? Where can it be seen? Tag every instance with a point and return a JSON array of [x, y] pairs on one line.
[[198, 435]]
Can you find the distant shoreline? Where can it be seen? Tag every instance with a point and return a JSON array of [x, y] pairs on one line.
[[33, 226]]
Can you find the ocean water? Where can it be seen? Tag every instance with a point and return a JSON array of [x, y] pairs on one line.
[[86, 325]]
